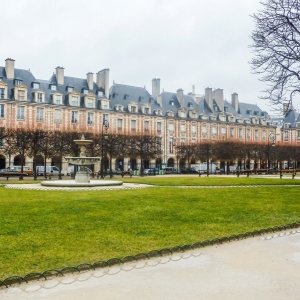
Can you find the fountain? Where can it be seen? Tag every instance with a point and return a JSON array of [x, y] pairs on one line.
[[82, 177]]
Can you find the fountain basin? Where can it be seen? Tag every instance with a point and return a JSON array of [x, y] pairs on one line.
[[72, 183], [83, 161]]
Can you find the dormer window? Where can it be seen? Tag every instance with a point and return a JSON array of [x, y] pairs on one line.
[[126, 97], [256, 113], [133, 109], [286, 125], [70, 89], [190, 104], [40, 97], [225, 108], [2, 93], [57, 99], [100, 94], [194, 115], [35, 85], [90, 103], [298, 124], [119, 108], [141, 98], [171, 113], [85, 91], [216, 108], [104, 104], [182, 114], [249, 112], [75, 101], [18, 81], [147, 110], [172, 103], [52, 87]]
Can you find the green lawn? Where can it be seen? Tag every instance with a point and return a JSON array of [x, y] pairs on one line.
[[40, 230]]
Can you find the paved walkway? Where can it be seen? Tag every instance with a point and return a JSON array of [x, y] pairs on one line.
[[257, 268]]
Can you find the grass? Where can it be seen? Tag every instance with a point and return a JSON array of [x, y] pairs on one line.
[[210, 181], [40, 230]]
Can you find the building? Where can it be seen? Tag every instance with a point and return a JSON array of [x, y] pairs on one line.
[[82, 104]]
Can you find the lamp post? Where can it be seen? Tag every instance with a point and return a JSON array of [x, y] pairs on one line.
[[105, 127], [270, 137], [173, 143]]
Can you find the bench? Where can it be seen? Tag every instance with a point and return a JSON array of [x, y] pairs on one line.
[[123, 173], [293, 172]]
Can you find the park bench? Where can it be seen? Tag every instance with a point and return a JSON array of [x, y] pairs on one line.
[[123, 173], [293, 172]]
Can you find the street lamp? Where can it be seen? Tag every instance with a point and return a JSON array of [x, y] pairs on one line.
[[272, 138], [105, 127], [173, 143]]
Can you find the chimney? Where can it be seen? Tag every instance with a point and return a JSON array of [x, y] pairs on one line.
[[180, 97], [60, 77], [155, 88], [90, 80], [209, 99], [219, 98], [235, 101], [10, 68], [103, 81]]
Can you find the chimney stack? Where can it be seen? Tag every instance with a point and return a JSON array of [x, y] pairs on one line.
[[209, 98], [10, 68], [155, 88], [90, 80], [180, 97], [103, 81], [219, 98], [60, 77], [235, 101]]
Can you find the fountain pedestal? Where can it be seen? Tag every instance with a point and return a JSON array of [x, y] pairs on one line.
[[82, 177]]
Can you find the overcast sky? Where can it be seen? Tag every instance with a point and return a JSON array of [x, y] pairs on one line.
[[182, 42]]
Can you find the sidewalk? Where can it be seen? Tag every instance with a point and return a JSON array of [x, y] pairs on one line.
[[266, 267]]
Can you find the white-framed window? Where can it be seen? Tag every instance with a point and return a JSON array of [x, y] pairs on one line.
[[147, 125], [240, 133], [57, 99], [100, 94], [21, 113], [90, 118], [74, 118], [105, 117], [17, 81], [120, 124], [298, 134], [158, 126], [90, 103], [85, 91], [74, 101], [2, 93], [182, 128], [231, 132], [194, 115], [286, 135], [70, 89], [40, 114], [57, 116], [133, 125], [171, 127], [223, 130], [193, 129], [133, 109], [53, 87], [21, 95], [40, 97], [264, 135], [147, 110], [182, 141], [248, 134], [182, 114], [213, 130], [256, 134], [2, 111], [36, 85], [104, 104], [204, 130]]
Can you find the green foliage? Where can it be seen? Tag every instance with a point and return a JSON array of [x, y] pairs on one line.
[[41, 229]]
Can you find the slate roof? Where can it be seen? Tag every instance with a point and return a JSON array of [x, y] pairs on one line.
[[124, 94], [292, 117]]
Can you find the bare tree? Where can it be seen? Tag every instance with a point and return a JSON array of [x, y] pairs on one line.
[[276, 46], [37, 137]]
